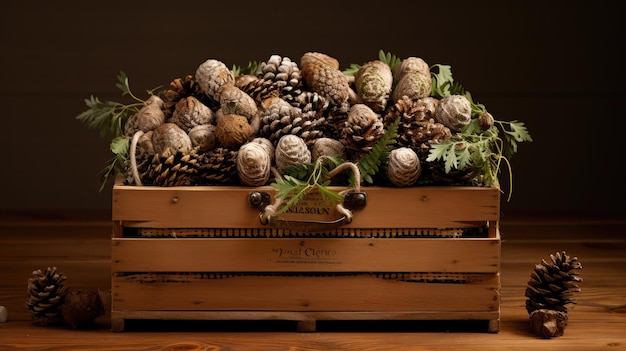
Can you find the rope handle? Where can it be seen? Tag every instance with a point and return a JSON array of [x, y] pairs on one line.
[[269, 212], [133, 158]]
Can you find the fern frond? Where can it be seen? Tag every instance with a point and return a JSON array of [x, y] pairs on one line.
[[370, 164]]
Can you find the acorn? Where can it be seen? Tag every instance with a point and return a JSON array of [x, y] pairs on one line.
[[232, 131], [82, 307]]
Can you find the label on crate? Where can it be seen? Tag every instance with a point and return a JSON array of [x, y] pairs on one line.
[[312, 207], [303, 254]]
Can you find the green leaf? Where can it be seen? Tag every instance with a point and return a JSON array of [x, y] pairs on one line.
[[350, 71], [369, 164], [390, 59]]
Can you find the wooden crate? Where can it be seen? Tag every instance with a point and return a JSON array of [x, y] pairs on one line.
[[202, 253]]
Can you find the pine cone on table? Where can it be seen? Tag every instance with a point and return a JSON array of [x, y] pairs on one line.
[[46, 295], [551, 293]]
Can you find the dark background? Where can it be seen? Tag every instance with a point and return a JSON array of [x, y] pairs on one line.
[[555, 65]]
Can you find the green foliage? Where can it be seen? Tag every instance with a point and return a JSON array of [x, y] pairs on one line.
[[251, 68], [390, 59], [300, 179], [109, 117], [119, 146], [369, 165], [444, 85], [483, 151]]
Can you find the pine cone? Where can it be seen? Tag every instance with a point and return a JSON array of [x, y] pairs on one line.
[[177, 169], [217, 167], [258, 89], [284, 75], [553, 285], [46, 295], [362, 130], [417, 129], [325, 78], [181, 88], [279, 118]]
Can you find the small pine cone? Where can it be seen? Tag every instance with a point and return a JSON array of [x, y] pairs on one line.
[[203, 137], [411, 65], [403, 168], [46, 295], [181, 88], [327, 81], [218, 167], [465, 176], [258, 89], [548, 323], [361, 132], [253, 164], [291, 150], [148, 118], [413, 85], [282, 72], [318, 58], [234, 101], [553, 285], [327, 147], [373, 82], [178, 169], [212, 76], [416, 130], [454, 112], [279, 118], [485, 120], [190, 112], [168, 139]]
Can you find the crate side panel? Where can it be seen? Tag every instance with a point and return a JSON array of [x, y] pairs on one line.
[[304, 293], [227, 207], [306, 255]]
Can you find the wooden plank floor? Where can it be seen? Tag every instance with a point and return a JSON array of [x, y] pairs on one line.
[[78, 244]]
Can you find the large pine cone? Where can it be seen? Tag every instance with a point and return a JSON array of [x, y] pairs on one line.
[[553, 285], [46, 295], [178, 169], [361, 131], [217, 167], [181, 88], [279, 118], [417, 129]]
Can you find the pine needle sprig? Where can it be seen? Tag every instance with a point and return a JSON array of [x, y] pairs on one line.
[[370, 164], [119, 146], [300, 179], [251, 68], [109, 117], [390, 59]]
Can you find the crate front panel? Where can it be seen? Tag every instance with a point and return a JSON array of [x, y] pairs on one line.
[[479, 255], [311, 292], [228, 207]]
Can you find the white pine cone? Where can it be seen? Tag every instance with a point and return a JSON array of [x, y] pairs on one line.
[[253, 164], [404, 167], [454, 112], [168, 139], [190, 112], [290, 150], [212, 75], [373, 83]]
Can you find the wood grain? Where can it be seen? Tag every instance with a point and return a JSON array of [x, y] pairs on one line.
[[81, 249]]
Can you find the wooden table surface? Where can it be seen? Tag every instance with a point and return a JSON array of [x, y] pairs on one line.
[[77, 242]]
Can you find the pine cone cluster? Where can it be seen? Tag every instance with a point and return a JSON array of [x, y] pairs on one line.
[[216, 111]]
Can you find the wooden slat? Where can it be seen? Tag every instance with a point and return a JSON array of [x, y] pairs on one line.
[[227, 207], [305, 293], [305, 255]]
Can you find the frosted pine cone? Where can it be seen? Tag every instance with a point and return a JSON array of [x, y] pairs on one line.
[[362, 130]]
